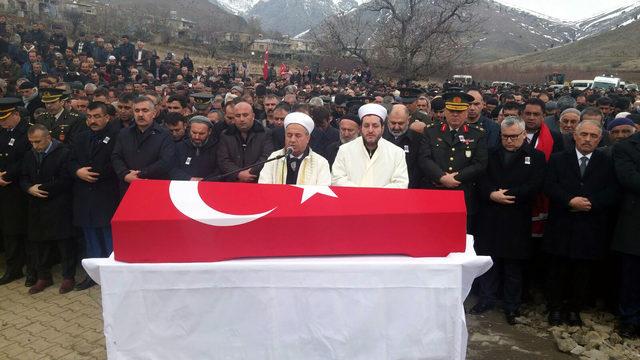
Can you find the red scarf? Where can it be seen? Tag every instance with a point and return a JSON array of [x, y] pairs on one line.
[[540, 209]]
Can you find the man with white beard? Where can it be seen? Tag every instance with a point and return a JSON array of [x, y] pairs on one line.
[[397, 132]]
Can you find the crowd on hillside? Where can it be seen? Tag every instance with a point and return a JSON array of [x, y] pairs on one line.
[[551, 177]]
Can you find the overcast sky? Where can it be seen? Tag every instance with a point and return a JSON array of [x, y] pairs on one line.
[[569, 10]]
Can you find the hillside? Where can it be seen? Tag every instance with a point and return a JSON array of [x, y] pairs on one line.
[[614, 50], [506, 32], [202, 12]]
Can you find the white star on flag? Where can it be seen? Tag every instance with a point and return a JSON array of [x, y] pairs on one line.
[[311, 190]]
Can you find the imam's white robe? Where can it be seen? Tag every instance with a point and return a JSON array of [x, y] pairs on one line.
[[387, 168], [314, 170]]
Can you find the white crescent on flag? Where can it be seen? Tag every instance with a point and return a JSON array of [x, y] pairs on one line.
[[186, 198]]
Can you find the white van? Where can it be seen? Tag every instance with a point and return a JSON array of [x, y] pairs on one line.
[[606, 82], [463, 79], [502, 83], [581, 84]]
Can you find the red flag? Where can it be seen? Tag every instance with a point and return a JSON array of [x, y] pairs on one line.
[[188, 221], [265, 67]]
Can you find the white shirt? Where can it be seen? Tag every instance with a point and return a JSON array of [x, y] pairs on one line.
[[580, 155]]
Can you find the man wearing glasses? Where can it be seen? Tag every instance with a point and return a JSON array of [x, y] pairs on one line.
[[453, 154], [514, 175]]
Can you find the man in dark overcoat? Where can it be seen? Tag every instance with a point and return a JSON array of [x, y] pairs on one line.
[[46, 179], [514, 175], [626, 239], [581, 187], [95, 186], [143, 151]]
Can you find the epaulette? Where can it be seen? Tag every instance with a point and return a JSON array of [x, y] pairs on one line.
[[74, 114], [43, 115], [477, 127], [429, 125]]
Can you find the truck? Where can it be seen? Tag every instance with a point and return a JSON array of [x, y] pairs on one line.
[[606, 82]]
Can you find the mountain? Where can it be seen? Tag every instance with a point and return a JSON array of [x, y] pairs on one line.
[[610, 20], [615, 50], [506, 31], [289, 17], [238, 7]]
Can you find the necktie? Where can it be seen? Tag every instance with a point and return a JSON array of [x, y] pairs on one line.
[[453, 135], [39, 157], [583, 165]]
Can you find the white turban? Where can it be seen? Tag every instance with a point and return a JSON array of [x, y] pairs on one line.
[[372, 109], [301, 119]]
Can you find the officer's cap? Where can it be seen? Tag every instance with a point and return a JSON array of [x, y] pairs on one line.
[[8, 105], [51, 95], [457, 101]]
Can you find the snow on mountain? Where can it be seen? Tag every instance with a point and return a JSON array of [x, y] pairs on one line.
[[242, 7], [238, 7], [607, 21]]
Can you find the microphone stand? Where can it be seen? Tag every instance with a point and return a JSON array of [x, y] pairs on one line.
[[220, 177]]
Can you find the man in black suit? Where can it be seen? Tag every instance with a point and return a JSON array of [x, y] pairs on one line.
[[581, 187], [514, 175], [626, 157]]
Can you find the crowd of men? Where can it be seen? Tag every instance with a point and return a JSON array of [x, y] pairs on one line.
[[544, 173]]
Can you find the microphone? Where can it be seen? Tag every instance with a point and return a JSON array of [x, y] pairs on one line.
[[288, 151]]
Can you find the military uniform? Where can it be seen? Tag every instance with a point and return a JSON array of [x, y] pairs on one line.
[[14, 144], [464, 151], [67, 125]]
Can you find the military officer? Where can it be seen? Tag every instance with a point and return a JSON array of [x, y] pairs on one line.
[[202, 103], [453, 154], [63, 124], [409, 97], [14, 144]]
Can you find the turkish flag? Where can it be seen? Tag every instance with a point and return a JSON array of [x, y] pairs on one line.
[[265, 66], [188, 221]]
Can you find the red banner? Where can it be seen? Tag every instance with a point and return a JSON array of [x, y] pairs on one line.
[[183, 221]]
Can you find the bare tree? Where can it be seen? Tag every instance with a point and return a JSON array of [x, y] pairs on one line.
[[406, 38], [346, 35], [75, 18]]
